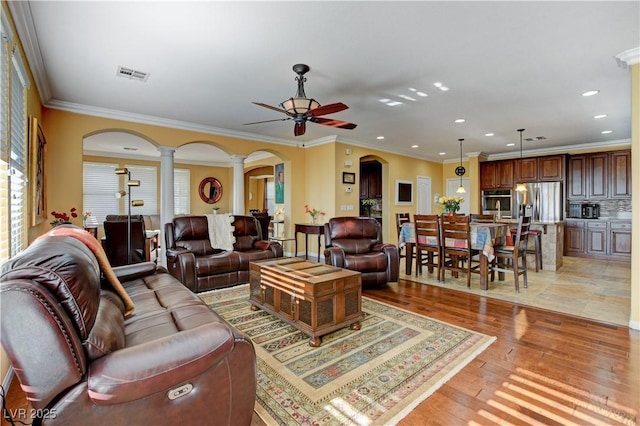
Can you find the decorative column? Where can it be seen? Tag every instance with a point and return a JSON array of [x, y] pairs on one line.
[[631, 59], [166, 193], [238, 184]]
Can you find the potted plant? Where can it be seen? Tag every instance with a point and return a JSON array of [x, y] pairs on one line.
[[215, 209]]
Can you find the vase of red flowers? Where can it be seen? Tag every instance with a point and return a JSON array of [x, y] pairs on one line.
[[62, 218]]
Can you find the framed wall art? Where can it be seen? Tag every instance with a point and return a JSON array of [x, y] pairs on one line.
[[279, 178], [348, 177], [37, 187], [404, 193]]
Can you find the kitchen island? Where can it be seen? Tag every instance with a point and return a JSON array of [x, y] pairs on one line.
[[552, 240]]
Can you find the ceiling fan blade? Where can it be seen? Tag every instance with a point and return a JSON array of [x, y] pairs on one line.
[[268, 121], [299, 129], [328, 109], [270, 107], [333, 123]]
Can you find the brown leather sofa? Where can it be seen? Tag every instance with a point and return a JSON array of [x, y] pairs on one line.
[[200, 267], [356, 243], [80, 361]]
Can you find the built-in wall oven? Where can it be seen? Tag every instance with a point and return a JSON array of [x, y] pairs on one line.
[[498, 202]]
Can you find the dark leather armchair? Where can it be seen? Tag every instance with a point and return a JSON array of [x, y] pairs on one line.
[[80, 361], [143, 249], [201, 267], [250, 245], [356, 243]]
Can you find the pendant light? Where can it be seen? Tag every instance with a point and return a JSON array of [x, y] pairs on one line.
[[521, 187], [460, 171]]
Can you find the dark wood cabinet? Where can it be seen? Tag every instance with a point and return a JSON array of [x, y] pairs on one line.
[[496, 174], [526, 170], [620, 174], [577, 177], [551, 168], [370, 179], [620, 240], [574, 237], [597, 238], [597, 175]]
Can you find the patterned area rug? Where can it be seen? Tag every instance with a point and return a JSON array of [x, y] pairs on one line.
[[374, 376]]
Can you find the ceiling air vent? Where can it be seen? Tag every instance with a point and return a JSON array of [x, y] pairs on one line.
[[537, 138], [132, 74]]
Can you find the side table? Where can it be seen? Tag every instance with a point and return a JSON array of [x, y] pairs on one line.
[[284, 239], [93, 231], [306, 229]]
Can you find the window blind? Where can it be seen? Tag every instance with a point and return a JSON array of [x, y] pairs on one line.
[[181, 191], [147, 191], [99, 187]]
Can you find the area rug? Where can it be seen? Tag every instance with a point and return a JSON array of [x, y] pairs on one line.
[[374, 376]]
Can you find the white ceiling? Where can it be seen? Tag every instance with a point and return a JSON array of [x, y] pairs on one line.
[[508, 65]]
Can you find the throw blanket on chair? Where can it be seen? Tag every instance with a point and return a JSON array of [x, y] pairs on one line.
[[94, 245], [221, 231]]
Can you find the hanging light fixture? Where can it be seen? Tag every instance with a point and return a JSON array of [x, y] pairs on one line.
[[521, 187], [460, 171]]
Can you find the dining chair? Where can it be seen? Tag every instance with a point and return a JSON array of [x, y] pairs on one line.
[[428, 235], [482, 218], [507, 256], [402, 218], [457, 254]]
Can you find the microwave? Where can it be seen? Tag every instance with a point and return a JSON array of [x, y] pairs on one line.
[[590, 211]]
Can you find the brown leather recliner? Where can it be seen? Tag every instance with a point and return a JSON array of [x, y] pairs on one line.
[[356, 243], [201, 267], [80, 361]]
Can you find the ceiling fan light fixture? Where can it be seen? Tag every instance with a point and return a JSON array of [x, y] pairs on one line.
[[294, 106]]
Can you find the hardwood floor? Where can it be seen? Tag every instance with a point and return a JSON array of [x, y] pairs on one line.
[[545, 367]]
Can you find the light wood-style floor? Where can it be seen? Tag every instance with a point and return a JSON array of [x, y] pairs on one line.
[[545, 368], [589, 288]]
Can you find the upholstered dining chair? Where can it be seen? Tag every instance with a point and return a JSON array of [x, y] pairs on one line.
[[402, 218], [428, 243], [507, 256], [457, 254]]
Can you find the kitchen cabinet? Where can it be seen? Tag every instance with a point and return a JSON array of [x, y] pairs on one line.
[[551, 168], [496, 175], [599, 239], [601, 175], [597, 175], [577, 177], [370, 179], [597, 235], [526, 170], [620, 174], [574, 237], [620, 240]]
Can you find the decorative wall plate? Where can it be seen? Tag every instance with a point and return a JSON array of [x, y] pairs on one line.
[[210, 190]]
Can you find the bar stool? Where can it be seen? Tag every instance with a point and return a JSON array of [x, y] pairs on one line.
[[537, 246]]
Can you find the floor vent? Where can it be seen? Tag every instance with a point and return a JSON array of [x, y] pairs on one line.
[[132, 74]]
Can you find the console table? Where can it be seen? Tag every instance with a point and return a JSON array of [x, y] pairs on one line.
[[306, 229]]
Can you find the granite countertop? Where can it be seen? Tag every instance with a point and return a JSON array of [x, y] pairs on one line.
[[604, 219], [534, 222]]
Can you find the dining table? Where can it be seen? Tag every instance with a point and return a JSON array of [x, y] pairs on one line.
[[484, 237]]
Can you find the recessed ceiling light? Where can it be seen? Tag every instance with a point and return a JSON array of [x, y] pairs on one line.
[[489, 134], [600, 116], [460, 120], [606, 132], [442, 153], [394, 103], [590, 92], [415, 146], [421, 94], [413, 89], [441, 86], [380, 137], [510, 144], [409, 98], [437, 84]]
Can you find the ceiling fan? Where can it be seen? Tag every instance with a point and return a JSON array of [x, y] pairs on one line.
[[301, 109]]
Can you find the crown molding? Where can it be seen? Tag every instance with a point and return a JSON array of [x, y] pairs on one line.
[[585, 147], [23, 20], [628, 57]]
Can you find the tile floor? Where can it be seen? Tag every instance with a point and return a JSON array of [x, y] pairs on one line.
[[595, 289]]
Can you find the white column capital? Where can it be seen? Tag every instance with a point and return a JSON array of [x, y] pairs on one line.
[[166, 150]]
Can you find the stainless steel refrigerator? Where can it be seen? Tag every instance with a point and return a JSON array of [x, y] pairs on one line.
[[543, 201]]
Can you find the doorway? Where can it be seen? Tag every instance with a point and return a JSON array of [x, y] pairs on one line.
[[424, 195]]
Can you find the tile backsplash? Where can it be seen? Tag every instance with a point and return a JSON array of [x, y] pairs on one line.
[[613, 208]]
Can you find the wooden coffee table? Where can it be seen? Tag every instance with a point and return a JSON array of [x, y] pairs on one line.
[[315, 298]]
